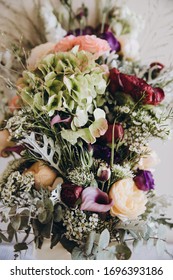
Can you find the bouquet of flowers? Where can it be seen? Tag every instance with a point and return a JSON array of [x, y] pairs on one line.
[[80, 115]]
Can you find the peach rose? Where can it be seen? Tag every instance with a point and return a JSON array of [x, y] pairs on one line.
[[149, 160], [129, 201], [44, 176], [37, 54], [14, 103], [5, 141], [86, 42]]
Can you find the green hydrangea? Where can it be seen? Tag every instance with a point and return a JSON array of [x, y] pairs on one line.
[[69, 82]]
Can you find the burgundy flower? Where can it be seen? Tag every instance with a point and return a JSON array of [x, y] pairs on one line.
[[114, 84], [118, 133], [137, 88], [144, 180], [112, 41], [95, 200], [15, 149], [70, 194]]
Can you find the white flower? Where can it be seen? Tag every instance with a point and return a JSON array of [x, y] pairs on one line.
[[53, 29], [129, 47]]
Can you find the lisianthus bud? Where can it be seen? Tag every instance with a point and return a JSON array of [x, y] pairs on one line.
[[70, 194], [156, 68], [103, 172], [118, 132], [144, 180]]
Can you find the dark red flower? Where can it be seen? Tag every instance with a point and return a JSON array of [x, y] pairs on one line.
[[137, 88], [118, 133], [70, 194], [114, 84]]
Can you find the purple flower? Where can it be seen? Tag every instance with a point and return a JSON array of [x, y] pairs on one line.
[[112, 41], [95, 200], [144, 180], [101, 152]]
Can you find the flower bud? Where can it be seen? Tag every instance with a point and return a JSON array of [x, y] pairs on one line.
[[118, 132], [103, 172], [70, 194]]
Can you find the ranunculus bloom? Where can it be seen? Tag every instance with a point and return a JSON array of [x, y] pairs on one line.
[[95, 200], [87, 43], [149, 160], [44, 176], [144, 180], [136, 87], [5, 142], [38, 53], [70, 194], [118, 132], [128, 201]]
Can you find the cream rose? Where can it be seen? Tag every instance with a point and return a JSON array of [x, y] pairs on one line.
[[38, 53], [129, 201], [149, 160], [44, 176]]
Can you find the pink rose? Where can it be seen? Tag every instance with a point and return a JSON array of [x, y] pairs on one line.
[[87, 43]]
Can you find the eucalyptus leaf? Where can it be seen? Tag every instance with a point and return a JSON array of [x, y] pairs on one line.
[[123, 252], [3, 237], [105, 255], [89, 243], [160, 247], [78, 254], [104, 239], [16, 222]]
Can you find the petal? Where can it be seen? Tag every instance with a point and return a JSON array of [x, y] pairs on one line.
[[90, 200]]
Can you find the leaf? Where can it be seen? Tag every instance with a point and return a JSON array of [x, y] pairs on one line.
[[15, 222], [47, 150], [90, 242], [160, 247], [123, 252], [11, 232], [77, 254], [105, 255], [58, 214], [55, 240], [3, 237], [20, 246], [104, 239]]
